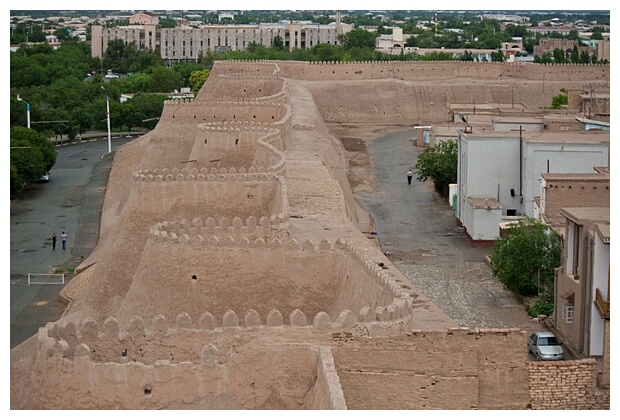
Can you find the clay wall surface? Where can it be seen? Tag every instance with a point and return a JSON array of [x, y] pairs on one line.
[[181, 116], [446, 70], [566, 385], [234, 86], [482, 369], [229, 372], [326, 394], [313, 282], [401, 102]]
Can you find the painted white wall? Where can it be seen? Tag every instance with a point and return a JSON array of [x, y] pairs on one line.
[[486, 224], [562, 158], [599, 281], [489, 167]]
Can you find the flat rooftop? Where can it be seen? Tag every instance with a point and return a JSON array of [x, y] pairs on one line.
[[573, 137], [581, 214], [595, 176]]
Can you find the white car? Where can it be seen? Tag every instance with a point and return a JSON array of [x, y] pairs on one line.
[[112, 76], [545, 346], [45, 177]]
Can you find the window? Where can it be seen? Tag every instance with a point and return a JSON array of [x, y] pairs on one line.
[[568, 311]]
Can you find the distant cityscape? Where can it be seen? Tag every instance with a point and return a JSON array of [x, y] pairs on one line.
[[186, 35]]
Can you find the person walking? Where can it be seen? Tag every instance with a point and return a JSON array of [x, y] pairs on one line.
[[54, 241], [63, 238], [409, 176]]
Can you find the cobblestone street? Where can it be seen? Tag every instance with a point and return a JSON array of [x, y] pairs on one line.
[[468, 293]]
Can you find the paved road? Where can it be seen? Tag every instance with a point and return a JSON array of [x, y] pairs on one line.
[[417, 228], [70, 202]]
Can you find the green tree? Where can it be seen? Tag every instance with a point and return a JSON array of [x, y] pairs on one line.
[[574, 57], [467, 56], [584, 57], [559, 56], [31, 156], [198, 78], [278, 43], [439, 163], [164, 79], [498, 56], [525, 257], [360, 38], [559, 100]]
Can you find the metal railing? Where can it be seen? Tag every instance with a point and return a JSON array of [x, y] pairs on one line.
[[45, 279]]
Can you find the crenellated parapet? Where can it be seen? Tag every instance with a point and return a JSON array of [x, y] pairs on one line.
[[186, 175], [174, 340], [248, 233]]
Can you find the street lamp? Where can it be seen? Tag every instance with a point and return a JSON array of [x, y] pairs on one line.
[[27, 110], [107, 106]]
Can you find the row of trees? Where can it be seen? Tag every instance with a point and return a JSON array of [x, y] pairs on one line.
[[66, 99], [559, 56]]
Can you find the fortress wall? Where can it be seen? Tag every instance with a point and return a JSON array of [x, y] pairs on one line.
[[224, 147], [172, 364], [235, 86], [179, 116], [126, 158], [441, 70], [217, 196], [397, 102], [247, 68], [566, 385], [196, 277], [227, 371], [477, 369]]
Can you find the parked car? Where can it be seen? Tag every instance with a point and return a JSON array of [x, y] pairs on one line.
[[45, 177], [545, 346]]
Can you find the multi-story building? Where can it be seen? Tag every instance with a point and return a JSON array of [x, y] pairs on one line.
[[582, 285], [494, 190], [185, 43]]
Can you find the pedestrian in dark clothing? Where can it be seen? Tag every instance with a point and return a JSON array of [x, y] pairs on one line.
[[63, 238], [54, 241], [409, 176]]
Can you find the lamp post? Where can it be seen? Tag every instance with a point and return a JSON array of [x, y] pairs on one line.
[[27, 111], [107, 106]]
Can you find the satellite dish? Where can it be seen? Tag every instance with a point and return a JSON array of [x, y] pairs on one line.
[[176, 91], [463, 117]]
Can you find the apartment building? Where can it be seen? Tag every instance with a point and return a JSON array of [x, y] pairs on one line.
[[186, 43]]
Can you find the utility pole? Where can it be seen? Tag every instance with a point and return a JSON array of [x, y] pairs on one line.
[[27, 111]]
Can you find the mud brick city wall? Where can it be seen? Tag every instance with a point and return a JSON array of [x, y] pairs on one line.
[[566, 385], [477, 369]]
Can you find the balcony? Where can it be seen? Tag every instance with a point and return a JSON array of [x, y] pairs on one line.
[[602, 305]]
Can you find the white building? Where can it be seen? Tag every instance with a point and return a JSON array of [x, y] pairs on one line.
[[499, 173]]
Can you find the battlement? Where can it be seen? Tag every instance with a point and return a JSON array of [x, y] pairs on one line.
[[210, 232], [162, 339], [232, 174]]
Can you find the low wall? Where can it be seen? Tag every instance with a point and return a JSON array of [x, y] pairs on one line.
[[566, 385], [326, 394]]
